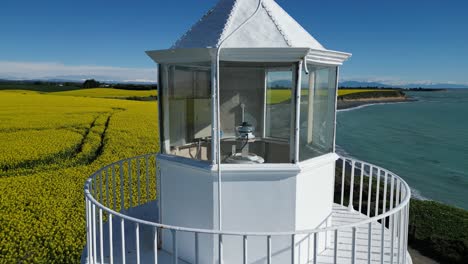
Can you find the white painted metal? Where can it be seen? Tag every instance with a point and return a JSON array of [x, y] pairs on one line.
[[271, 27], [362, 228], [130, 182], [174, 56], [111, 240], [94, 234], [245, 249], [351, 191], [155, 245], [101, 236], [297, 122], [137, 239], [369, 198], [121, 178], [343, 180], [122, 241], [361, 184]]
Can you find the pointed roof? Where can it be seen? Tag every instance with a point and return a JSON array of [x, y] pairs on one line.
[[271, 27]]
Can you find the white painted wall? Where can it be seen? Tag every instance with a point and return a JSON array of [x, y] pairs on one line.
[[187, 201], [314, 201], [255, 198]]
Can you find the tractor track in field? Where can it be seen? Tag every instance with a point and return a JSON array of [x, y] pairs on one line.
[[68, 158]]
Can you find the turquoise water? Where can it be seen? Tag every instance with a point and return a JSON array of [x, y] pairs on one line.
[[424, 142]]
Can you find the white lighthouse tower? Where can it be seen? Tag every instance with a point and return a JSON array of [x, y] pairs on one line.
[[247, 117], [247, 164]]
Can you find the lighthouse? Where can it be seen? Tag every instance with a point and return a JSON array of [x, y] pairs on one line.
[[247, 170]]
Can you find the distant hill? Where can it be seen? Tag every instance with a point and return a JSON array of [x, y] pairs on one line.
[[382, 85]]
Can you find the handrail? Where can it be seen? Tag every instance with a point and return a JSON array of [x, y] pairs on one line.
[[396, 209]]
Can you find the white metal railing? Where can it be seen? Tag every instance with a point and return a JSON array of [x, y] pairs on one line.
[[364, 188]]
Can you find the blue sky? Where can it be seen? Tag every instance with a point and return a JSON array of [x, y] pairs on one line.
[[391, 41]]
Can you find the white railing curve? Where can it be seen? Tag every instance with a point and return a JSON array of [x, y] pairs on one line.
[[380, 195]]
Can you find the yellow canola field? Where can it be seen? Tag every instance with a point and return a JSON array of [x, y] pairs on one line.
[[107, 93], [63, 140]]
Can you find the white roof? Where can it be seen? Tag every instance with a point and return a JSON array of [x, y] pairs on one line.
[[270, 35], [271, 27]]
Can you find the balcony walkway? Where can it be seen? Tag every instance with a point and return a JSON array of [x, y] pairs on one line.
[[136, 180], [341, 216]]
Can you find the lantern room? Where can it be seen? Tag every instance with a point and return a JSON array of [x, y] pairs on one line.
[[273, 109]]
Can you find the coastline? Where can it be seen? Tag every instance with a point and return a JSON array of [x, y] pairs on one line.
[[429, 239], [359, 103]]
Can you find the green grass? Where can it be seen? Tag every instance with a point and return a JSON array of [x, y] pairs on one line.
[[439, 231]]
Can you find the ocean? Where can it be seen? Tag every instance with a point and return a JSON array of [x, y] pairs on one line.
[[424, 142]]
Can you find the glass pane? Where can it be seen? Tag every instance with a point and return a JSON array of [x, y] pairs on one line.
[[255, 112], [317, 121], [278, 106], [186, 115]]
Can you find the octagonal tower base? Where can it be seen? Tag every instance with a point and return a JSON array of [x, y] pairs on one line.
[[254, 198]]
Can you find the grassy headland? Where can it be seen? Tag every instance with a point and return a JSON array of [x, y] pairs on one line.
[[436, 230], [349, 98]]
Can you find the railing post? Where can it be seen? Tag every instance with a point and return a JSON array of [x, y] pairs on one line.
[[351, 191], [101, 237], [107, 188], [122, 235], [147, 178], [137, 237], [369, 244], [353, 252], [293, 245], [268, 249], [369, 193], [196, 248], [382, 240], [101, 196], [138, 182], [94, 235], [245, 249], [130, 182], [392, 238], [378, 192], [384, 206], [155, 245], [111, 240], [343, 174], [399, 236], [220, 248], [114, 196], [175, 249], [315, 247], [361, 183], [122, 191], [89, 231], [335, 247]]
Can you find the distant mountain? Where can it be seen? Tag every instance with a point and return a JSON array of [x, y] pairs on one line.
[[362, 84], [409, 85], [280, 84], [437, 86]]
